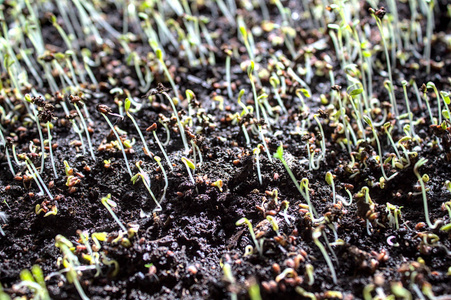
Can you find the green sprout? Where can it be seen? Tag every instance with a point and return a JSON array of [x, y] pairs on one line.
[[279, 156], [109, 205], [315, 236], [35, 282], [258, 244], [104, 110], [256, 152], [189, 166], [394, 214], [127, 111], [431, 85], [330, 181], [275, 82], [254, 290], [305, 294], [153, 128], [4, 219], [166, 183], [70, 263], [381, 162], [378, 15], [228, 277], [146, 180], [273, 223], [310, 274], [420, 163]]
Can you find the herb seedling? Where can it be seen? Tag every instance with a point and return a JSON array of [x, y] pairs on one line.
[[127, 111], [146, 180], [381, 161], [258, 244], [104, 110], [256, 152], [421, 180], [189, 166], [34, 281], [70, 263], [162, 90], [4, 219], [330, 181], [108, 203], [153, 128], [378, 15], [315, 236]]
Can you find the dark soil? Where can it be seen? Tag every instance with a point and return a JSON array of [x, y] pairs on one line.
[[179, 252]]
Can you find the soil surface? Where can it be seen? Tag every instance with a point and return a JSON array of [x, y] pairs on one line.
[[192, 247]]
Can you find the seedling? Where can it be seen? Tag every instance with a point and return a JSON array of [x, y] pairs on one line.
[[228, 54], [256, 153], [162, 90], [420, 163], [381, 162], [219, 184], [146, 180], [166, 183], [153, 128], [279, 156], [258, 243], [275, 82], [394, 214], [330, 181], [127, 111], [431, 85], [310, 274], [4, 219], [70, 263], [305, 294], [378, 15], [189, 166], [228, 277], [34, 281], [315, 236], [109, 204], [104, 110], [160, 58], [273, 223]]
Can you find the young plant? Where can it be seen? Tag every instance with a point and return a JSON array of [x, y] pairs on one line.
[[166, 183], [256, 152], [70, 263], [258, 243], [34, 281], [316, 234], [127, 112], [330, 181], [4, 219], [381, 157], [228, 54], [108, 203], [104, 111], [275, 82], [153, 128], [279, 156], [162, 90], [394, 215], [160, 58], [146, 180], [228, 277], [421, 180], [378, 16], [189, 166]]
